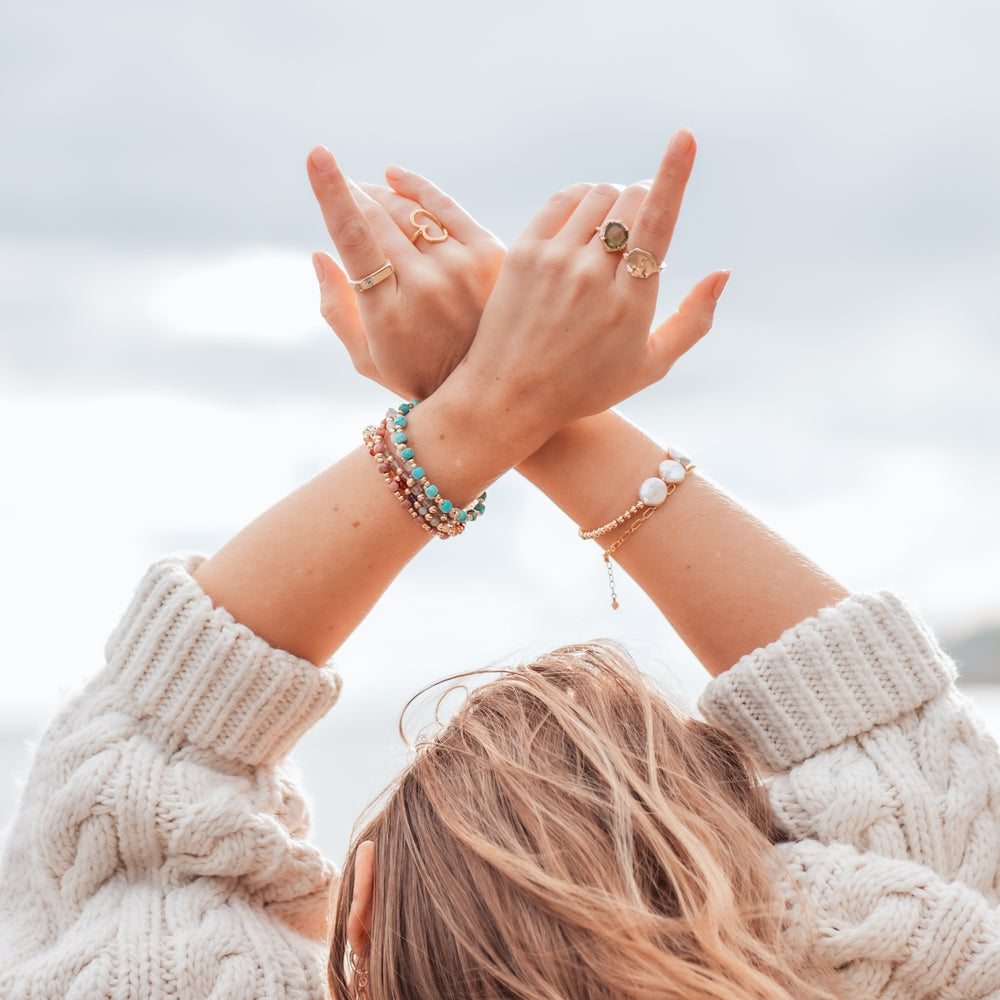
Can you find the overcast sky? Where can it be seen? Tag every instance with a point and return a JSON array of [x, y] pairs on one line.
[[164, 374]]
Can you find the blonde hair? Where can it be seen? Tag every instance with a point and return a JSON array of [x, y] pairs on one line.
[[569, 835]]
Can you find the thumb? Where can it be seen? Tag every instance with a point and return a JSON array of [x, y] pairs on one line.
[[339, 307], [677, 334]]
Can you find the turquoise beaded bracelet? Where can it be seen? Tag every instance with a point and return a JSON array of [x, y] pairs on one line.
[[408, 480]]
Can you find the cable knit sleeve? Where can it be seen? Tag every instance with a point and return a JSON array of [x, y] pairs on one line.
[[159, 848], [887, 787]]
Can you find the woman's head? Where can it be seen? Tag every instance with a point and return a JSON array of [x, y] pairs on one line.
[[568, 835]]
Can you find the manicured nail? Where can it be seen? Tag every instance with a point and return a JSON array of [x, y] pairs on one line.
[[720, 285], [318, 268], [322, 159], [681, 142], [394, 173]]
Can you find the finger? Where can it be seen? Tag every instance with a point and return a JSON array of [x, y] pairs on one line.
[[589, 215], [552, 216], [338, 305], [676, 335], [657, 216], [406, 220], [347, 225], [388, 218], [412, 220], [624, 211], [418, 189]]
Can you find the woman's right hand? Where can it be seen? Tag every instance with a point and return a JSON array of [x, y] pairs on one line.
[[566, 331]]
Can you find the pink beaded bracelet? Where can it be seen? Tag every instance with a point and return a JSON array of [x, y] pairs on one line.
[[408, 481]]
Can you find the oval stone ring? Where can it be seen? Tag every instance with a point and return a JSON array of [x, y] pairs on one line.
[[613, 234]]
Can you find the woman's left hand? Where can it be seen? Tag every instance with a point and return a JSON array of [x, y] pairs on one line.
[[409, 331]]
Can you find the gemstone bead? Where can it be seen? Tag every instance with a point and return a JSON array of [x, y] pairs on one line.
[[418, 473], [431, 491], [399, 438], [445, 506], [614, 234], [461, 516], [671, 471], [406, 454], [653, 492], [400, 421]]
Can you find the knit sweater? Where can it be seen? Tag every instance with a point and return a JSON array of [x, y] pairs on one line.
[[159, 850]]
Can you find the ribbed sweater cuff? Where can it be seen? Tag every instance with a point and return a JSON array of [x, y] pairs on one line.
[[208, 680], [853, 667]]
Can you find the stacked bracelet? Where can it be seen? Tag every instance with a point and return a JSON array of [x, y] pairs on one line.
[[389, 445], [652, 493]]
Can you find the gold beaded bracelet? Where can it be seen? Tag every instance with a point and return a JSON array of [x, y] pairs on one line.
[[401, 473]]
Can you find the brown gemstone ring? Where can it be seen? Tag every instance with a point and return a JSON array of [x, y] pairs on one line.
[[613, 234], [641, 263]]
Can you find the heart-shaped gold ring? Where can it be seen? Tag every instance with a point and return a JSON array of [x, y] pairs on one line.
[[425, 230]]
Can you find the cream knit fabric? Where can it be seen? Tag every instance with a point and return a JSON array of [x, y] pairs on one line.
[[159, 849], [889, 791]]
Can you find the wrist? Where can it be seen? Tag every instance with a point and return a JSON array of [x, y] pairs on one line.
[[450, 441], [489, 429]]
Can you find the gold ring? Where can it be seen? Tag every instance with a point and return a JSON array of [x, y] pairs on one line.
[[371, 280], [641, 263], [424, 230], [613, 234]]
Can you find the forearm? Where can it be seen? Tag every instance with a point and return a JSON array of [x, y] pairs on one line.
[[726, 582], [305, 573]]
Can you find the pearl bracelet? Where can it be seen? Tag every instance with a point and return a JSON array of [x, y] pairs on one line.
[[652, 493]]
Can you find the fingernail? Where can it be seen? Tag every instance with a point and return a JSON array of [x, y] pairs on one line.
[[394, 173], [318, 268], [322, 159], [720, 285], [681, 142]]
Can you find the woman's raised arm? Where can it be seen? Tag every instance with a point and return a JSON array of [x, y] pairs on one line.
[[565, 334], [726, 582]]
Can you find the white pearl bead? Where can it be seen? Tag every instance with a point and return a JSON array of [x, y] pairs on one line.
[[678, 456], [653, 492], [671, 471]]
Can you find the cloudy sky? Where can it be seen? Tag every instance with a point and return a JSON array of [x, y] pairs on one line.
[[164, 374]]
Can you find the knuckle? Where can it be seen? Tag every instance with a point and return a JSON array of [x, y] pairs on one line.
[[330, 313], [606, 191], [571, 195], [656, 217], [437, 201], [636, 192], [594, 270], [353, 235], [522, 257]]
